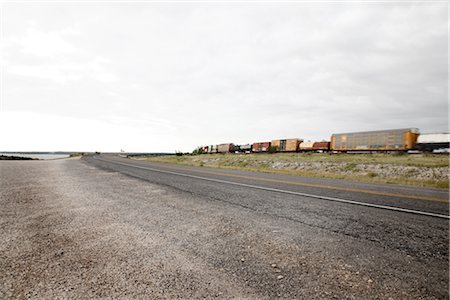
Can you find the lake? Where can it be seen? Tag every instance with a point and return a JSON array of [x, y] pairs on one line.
[[37, 155]]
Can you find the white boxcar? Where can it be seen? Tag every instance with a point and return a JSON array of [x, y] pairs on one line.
[[433, 138], [434, 142]]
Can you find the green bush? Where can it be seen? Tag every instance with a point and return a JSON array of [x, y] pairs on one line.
[[198, 151], [272, 149]]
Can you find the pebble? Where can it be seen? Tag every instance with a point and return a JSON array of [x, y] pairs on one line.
[[280, 277], [274, 265], [242, 259]]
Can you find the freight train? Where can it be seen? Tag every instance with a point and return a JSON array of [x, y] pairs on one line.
[[394, 140]]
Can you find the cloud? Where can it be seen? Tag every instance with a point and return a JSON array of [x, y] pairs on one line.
[[43, 44], [211, 73], [52, 55], [64, 72]]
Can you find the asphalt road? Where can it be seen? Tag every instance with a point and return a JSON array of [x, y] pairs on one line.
[[416, 200], [111, 227]]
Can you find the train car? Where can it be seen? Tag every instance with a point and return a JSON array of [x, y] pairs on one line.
[[247, 148], [225, 148], [315, 146], [321, 146], [306, 146], [381, 140], [287, 145], [434, 142], [212, 149], [260, 147]]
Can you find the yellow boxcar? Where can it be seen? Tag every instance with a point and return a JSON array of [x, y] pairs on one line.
[[287, 145], [381, 140]]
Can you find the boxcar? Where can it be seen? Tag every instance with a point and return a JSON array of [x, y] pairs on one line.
[[225, 148], [321, 146], [287, 145], [382, 140], [314, 146], [306, 146], [260, 147], [247, 148], [430, 142]]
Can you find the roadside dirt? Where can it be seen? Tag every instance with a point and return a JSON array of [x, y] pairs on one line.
[[70, 230]]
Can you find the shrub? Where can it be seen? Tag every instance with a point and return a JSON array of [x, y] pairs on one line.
[[198, 151], [272, 149]]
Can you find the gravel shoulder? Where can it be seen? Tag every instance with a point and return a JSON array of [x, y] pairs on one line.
[[71, 230]]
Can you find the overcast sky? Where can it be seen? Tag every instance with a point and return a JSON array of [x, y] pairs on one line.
[[164, 77]]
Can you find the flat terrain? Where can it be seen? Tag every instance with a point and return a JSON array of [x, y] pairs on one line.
[[110, 227], [414, 169]]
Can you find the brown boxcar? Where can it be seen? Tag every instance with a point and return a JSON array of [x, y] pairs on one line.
[[381, 140], [287, 145], [324, 146], [260, 147], [225, 148]]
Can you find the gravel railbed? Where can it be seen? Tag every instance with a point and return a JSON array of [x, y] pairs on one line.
[[386, 171]]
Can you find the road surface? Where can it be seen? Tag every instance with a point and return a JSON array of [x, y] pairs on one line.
[[107, 226]]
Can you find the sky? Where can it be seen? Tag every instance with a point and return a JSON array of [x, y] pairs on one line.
[[152, 76]]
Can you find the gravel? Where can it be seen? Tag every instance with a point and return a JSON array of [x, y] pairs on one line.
[[70, 230]]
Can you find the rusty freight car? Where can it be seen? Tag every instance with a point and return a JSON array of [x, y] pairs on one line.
[[321, 146], [381, 140], [260, 147]]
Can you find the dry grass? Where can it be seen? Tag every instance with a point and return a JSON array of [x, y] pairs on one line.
[[417, 170]]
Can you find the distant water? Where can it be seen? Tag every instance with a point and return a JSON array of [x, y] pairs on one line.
[[37, 155]]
